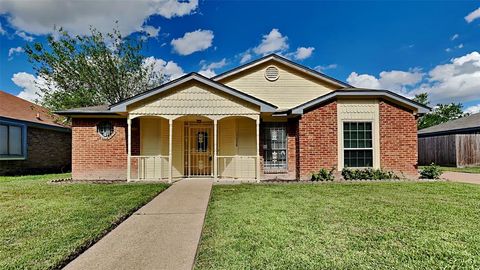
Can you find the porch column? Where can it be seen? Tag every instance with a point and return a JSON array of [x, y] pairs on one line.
[[129, 143], [215, 149], [258, 149], [170, 160]]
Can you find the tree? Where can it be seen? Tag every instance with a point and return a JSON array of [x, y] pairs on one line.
[[79, 71], [440, 114]]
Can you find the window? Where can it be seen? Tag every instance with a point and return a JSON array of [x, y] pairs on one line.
[[105, 129], [12, 141], [357, 144], [275, 147]]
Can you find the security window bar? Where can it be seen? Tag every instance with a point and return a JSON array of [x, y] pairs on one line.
[[12, 141], [357, 144], [275, 147]]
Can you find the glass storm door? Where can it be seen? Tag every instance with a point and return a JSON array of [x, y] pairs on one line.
[[199, 150]]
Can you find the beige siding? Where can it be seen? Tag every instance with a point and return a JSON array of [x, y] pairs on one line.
[[359, 110], [194, 99], [153, 142], [236, 141], [290, 89], [178, 148]]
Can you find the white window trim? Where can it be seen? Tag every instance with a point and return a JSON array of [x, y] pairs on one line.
[[372, 122]]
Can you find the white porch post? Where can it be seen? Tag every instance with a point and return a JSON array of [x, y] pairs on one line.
[[215, 149], [258, 149], [129, 143], [170, 160]]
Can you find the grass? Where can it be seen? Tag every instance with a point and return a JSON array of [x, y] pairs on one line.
[[343, 226], [42, 224], [464, 170]]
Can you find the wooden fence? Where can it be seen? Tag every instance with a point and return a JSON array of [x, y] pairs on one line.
[[458, 150]]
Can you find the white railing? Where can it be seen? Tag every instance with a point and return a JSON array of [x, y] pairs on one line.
[[237, 167], [149, 168]]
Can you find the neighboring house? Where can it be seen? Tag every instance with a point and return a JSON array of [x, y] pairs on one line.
[[271, 118], [30, 139], [454, 143]]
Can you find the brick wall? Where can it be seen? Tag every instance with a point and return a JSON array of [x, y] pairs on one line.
[[398, 139], [96, 158], [48, 151], [317, 140]]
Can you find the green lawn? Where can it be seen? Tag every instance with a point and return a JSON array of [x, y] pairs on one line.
[[432, 225], [42, 224], [465, 170]]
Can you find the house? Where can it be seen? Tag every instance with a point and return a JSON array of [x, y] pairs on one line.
[[454, 143], [31, 140], [270, 118]]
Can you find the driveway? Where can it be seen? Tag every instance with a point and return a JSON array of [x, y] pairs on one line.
[[472, 178], [164, 234]]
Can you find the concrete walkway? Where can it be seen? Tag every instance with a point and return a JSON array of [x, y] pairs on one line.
[[164, 234], [472, 178]]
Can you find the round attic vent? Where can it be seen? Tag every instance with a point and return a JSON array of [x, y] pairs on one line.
[[271, 73]]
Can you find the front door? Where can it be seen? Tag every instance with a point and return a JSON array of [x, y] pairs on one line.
[[199, 150]]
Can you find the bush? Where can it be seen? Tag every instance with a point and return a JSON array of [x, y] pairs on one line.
[[367, 174], [323, 175], [431, 171]]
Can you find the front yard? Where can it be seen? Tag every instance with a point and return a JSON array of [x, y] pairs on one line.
[[343, 226], [42, 224]]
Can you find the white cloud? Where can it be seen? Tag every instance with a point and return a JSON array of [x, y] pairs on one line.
[[2, 31], [39, 17], [448, 50], [395, 80], [455, 36], [207, 73], [460, 46], [303, 52], [13, 51], [456, 81], [473, 109], [473, 15], [29, 84], [272, 42], [151, 31], [170, 69], [24, 36], [245, 57], [191, 42], [323, 68], [214, 65]]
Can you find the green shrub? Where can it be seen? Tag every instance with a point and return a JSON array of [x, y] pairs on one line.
[[431, 171], [367, 174], [323, 175]]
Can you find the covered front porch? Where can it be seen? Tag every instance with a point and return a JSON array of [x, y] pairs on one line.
[[194, 146]]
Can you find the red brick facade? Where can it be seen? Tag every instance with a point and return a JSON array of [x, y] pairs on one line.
[[95, 158], [317, 140], [311, 139], [398, 139]]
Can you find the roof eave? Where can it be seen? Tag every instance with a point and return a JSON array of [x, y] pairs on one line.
[[284, 61], [421, 109]]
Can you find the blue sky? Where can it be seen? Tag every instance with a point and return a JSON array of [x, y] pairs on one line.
[[407, 47]]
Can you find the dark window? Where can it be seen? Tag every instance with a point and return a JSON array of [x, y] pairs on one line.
[[12, 140], [105, 129], [357, 144], [275, 146], [202, 141]]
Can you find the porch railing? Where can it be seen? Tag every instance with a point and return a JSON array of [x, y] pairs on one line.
[[149, 167], [237, 167]]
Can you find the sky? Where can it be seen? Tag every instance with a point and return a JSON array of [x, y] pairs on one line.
[[407, 47]]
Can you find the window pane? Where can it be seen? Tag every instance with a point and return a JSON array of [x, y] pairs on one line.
[[3, 140], [358, 158], [368, 126], [275, 139], [15, 140]]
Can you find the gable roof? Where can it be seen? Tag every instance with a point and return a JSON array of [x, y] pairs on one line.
[[16, 108], [285, 61], [464, 124], [358, 92], [264, 106]]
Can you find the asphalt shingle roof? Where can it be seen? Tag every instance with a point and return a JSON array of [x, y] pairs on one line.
[[468, 122]]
